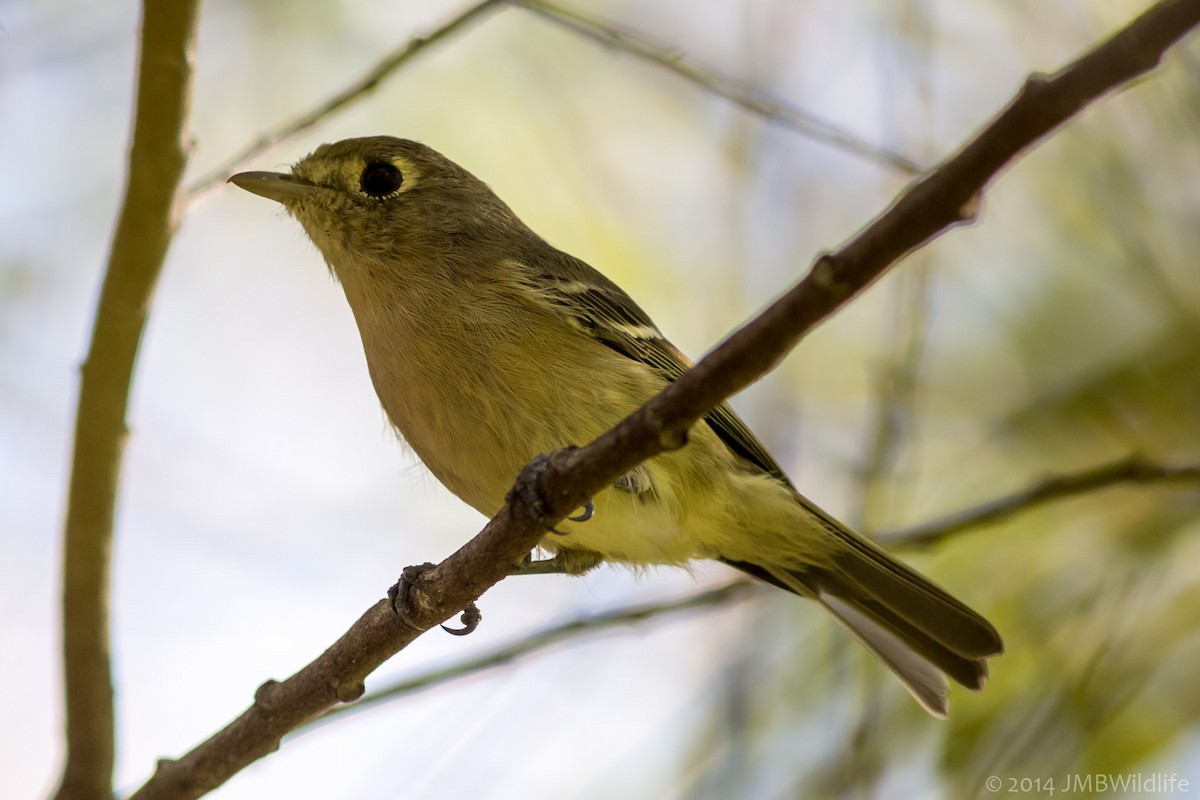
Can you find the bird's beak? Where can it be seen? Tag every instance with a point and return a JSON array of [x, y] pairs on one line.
[[278, 186]]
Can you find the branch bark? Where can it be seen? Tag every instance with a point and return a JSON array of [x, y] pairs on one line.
[[551, 487], [147, 221], [718, 597], [1066, 485]]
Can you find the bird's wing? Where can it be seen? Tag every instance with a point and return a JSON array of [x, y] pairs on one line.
[[601, 309]]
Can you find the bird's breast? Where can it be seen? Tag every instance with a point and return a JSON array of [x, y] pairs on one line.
[[477, 390]]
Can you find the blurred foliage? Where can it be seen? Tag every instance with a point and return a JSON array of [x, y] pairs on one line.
[[1060, 331], [1091, 305]]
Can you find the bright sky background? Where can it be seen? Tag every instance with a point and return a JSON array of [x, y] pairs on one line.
[[265, 504]]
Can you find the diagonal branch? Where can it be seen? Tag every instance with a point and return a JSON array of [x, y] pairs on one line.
[[712, 80], [948, 196], [593, 623], [1058, 487], [355, 91], [1127, 470], [149, 216], [551, 487]]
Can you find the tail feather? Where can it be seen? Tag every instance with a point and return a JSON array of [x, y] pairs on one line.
[[849, 604], [922, 677], [922, 633], [867, 570]]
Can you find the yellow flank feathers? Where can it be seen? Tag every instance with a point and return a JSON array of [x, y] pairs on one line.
[[487, 347]]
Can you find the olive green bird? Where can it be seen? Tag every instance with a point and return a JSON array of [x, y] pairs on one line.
[[487, 346]]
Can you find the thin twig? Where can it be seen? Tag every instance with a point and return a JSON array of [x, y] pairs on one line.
[[896, 378], [1127, 470], [148, 219], [550, 488], [710, 79], [896, 386], [527, 645], [357, 90]]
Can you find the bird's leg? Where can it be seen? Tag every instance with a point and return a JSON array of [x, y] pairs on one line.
[[526, 488], [636, 482], [564, 562], [573, 561]]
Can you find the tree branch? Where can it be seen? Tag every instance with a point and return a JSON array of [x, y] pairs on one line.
[[1127, 470], [1058, 487], [593, 623], [551, 487], [611, 35], [355, 91], [147, 221]]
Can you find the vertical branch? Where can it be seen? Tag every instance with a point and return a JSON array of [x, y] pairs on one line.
[[147, 221]]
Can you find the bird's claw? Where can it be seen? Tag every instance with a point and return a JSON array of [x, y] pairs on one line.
[[398, 596], [470, 619], [527, 490], [588, 511]]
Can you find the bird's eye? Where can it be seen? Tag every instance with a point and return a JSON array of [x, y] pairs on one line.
[[380, 179]]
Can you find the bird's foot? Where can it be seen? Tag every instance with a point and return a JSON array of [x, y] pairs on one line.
[[399, 594]]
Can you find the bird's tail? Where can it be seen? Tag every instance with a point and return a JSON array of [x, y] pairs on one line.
[[916, 628]]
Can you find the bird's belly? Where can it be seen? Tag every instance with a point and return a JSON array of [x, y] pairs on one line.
[[476, 431], [630, 529]]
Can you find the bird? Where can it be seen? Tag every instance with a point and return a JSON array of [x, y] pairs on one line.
[[488, 346]]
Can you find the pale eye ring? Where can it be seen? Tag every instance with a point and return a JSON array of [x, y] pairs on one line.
[[380, 180]]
